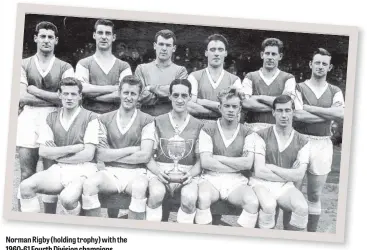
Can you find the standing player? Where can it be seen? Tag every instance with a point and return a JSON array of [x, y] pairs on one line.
[[180, 123], [226, 148], [207, 83], [262, 86], [158, 74], [40, 76], [69, 137], [322, 103], [125, 146], [102, 72], [282, 159]]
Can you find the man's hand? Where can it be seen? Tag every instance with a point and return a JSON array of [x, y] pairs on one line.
[[307, 108], [162, 176], [187, 178]]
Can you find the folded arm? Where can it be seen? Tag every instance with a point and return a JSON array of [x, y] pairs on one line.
[[51, 97], [210, 163], [86, 155], [263, 172], [307, 117], [251, 103], [29, 99], [111, 97], [244, 162], [52, 152], [333, 113], [294, 174], [141, 156]]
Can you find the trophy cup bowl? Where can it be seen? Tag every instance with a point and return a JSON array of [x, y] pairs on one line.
[[175, 149]]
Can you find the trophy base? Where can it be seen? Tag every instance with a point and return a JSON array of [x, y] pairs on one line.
[[176, 177]]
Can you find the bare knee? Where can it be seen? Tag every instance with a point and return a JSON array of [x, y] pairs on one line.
[[26, 173], [204, 199], [28, 188], [251, 203], [269, 206], [91, 186], [139, 188], [156, 195], [68, 200], [300, 207], [188, 200]]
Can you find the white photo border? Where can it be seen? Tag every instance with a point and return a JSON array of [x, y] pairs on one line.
[[350, 31]]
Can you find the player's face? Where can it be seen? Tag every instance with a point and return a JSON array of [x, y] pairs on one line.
[[180, 97], [164, 48], [70, 96], [320, 65], [104, 37], [216, 52], [230, 108], [283, 114], [46, 40], [271, 57], [129, 96]]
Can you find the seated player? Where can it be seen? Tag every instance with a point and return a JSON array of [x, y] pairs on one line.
[[281, 159], [69, 137], [226, 148], [180, 123], [125, 146]]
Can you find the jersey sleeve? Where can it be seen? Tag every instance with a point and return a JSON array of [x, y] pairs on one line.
[[102, 136], [23, 72], [303, 155], [194, 85], [148, 132], [205, 142], [182, 73], [290, 88], [92, 132], [338, 99], [45, 134], [247, 86], [260, 146], [249, 144], [82, 73], [125, 72]]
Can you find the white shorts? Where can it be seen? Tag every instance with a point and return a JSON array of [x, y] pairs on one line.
[[172, 187], [121, 177], [225, 183], [29, 122], [70, 172], [276, 189], [258, 126], [321, 155]]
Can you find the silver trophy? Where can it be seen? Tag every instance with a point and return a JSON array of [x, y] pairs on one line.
[[176, 148]]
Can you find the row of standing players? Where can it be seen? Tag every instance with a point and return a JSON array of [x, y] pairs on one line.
[[61, 138]]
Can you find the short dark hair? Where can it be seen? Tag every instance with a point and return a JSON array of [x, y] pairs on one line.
[[272, 42], [70, 81], [321, 51], [283, 99], [228, 93], [217, 37], [184, 82], [104, 22], [47, 26], [166, 34], [131, 80]]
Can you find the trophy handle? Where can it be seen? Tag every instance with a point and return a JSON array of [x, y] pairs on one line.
[[191, 147]]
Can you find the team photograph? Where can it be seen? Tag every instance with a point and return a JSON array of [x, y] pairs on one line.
[[178, 123]]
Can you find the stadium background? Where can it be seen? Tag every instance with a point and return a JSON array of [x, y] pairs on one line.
[[134, 44]]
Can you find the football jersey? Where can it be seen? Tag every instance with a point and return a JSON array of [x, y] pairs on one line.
[[281, 157], [32, 74], [205, 88], [90, 70], [165, 129], [114, 136], [275, 87], [326, 100]]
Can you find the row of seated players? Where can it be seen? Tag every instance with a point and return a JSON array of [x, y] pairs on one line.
[[217, 154]]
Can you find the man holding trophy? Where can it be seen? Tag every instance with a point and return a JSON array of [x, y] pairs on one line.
[[176, 164], [226, 148]]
